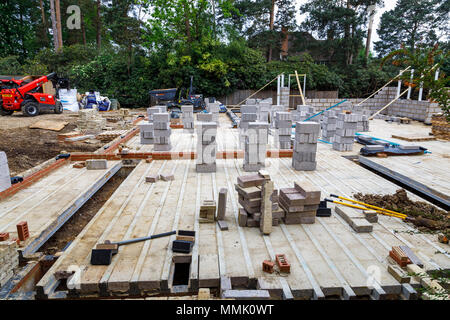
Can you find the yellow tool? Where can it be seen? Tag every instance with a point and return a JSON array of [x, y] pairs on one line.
[[364, 208], [369, 205]]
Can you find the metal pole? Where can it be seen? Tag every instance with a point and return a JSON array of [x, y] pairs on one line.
[[420, 91], [304, 85], [399, 86], [409, 88], [278, 90]]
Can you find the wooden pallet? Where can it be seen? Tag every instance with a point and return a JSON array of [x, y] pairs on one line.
[[413, 138]]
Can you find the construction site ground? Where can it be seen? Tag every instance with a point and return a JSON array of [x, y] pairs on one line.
[[26, 148], [328, 259]]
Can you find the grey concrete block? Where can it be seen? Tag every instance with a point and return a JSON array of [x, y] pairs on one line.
[[96, 164]]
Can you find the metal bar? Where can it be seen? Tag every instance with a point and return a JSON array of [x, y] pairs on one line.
[[160, 235], [422, 190], [319, 113]]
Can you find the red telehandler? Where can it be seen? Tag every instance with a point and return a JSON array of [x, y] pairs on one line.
[[19, 95]]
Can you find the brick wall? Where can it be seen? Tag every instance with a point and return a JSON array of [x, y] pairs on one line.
[[413, 109]]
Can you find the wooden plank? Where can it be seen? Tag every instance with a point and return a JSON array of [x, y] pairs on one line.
[[49, 125]]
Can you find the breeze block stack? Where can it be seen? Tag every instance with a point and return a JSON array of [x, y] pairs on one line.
[[329, 125], [283, 124], [248, 114], [299, 203], [255, 147], [162, 131], [206, 146], [214, 109], [345, 131], [250, 194], [187, 117], [90, 121], [305, 146]]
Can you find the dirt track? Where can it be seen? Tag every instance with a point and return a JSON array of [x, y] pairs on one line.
[[26, 148]]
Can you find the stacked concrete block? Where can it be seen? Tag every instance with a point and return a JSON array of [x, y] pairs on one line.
[[255, 146], [207, 211], [263, 109], [161, 131], [345, 132], [206, 146], [204, 117], [305, 145], [187, 116], [214, 109], [363, 123], [249, 189], [9, 260], [299, 203], [248, 114], [5, 179], [273, 110], [96, 164], [146, 132], [284, 96], [156, 109], [90, 120], [329, 125], [283, 125]]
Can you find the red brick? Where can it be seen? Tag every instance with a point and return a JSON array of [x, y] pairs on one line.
[[282, 263], [398, 260], [267, 266], [4, 236], [22, 231]]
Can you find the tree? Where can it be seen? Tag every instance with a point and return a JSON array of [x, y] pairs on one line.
[[340, 22], [20, 23], [411, 22], [425, 61], [99, 25]]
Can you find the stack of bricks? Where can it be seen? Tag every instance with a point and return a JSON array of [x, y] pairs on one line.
[[305, 146], [345, 132], [283, 124], [284, 96], [303, 112], [9, 259], [187, 117], [204, 117], [208, 211], [273, 110], [146, 132], [248, 114], [214, 108], [206, 146], [363, 123], [5, 179], [161, 131], [299, 203], [250, 190], [255, 146], [90, 121], [156, 109], [329, 125], [263, 109]]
